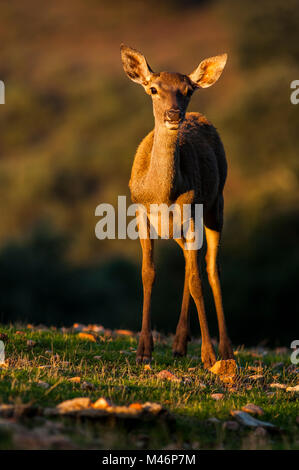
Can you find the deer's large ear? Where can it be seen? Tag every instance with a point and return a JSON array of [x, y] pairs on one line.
[[208, 71], [135, 65]]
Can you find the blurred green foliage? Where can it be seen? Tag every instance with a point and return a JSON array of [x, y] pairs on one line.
[[68, 133]]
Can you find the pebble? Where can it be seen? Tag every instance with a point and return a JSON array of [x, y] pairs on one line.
[[253, 409], [166, 375], [217, 396]]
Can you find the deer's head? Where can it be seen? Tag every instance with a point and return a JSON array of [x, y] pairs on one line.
[[170, 92]]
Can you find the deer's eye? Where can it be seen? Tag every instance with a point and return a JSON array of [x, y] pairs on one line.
[[153, 90]]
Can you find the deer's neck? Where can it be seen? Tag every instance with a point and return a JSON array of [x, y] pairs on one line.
[[163, 174]]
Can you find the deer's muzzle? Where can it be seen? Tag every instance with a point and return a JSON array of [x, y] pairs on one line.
[[172, 118], [173, 115]]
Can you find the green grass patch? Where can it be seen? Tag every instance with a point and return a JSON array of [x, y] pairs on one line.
[[56, 357]]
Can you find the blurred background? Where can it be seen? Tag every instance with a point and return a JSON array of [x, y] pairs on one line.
[[68, 134]]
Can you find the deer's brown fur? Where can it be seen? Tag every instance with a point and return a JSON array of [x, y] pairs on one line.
[[181, 161]]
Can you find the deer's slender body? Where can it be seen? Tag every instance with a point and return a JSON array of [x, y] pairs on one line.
[[191, 160], [182, 161]]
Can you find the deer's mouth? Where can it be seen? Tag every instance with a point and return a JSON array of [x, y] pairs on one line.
[[173, 125]]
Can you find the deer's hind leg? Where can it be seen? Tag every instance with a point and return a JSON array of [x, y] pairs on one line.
[[182, 335], [213, 221], [193, 281], [207, 352]]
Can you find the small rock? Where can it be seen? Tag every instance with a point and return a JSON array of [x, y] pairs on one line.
[[253, 409], [293, 389], [217, 396], [136, 406], [166, 375], [87, 386], [224, 367], [278, 386], [87, 337], [101, 404], [249, 421], [231, 425], [154, 408], [42, 384], [256, 378], [95, 328], [74, 404], [124, 332]]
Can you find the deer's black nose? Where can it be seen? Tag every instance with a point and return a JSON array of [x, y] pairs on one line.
[[173, 115]]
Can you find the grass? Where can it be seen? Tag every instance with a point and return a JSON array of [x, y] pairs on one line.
[[58, 356]]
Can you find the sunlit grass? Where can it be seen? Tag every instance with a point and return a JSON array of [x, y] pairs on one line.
[[57, 357]]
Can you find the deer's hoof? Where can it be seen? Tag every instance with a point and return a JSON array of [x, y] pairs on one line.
[[143, 360], [208, 357], [226, 350], [144, 350], [179, 348]]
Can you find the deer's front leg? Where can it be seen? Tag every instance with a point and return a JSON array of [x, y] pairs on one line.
[[145, 345]]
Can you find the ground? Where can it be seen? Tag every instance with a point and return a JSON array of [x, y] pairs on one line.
[[39, 363]]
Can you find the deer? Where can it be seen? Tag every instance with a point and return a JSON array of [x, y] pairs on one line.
[[182, 160]]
